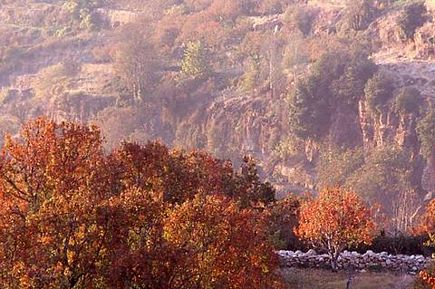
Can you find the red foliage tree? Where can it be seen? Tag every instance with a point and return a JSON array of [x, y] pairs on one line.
[[334, 221], [50, 182], [220, 243], [72, 217], [427, 227]]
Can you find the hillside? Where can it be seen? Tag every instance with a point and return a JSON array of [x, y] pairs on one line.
[[302, 86]]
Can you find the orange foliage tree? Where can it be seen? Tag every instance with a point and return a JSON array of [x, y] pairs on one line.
[[427, 227], [220, 243], [334, 221], [180, 176], [51, 181], [73, 217], [427, 223]]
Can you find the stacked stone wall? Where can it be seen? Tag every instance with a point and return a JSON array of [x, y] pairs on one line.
[[356, 261]]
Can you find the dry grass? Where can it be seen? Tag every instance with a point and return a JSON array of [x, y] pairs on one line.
[[322, 279]]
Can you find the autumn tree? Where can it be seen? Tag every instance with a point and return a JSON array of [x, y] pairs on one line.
[[427, 223], [136, 60], [223, 246], [426, 278], [51, 181], [179, 175], [335, 220], [137, 254], [72, 217]]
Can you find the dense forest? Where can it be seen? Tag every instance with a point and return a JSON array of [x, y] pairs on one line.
[[248, 110]]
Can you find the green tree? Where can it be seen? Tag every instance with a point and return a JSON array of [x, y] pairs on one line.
[[359, 14], [195, 63], [412, 17], [379, 183], [336, 165], [81, 11], [309, 109], [283, 218], [251, 76], [378, 90], [408, 100], [335, 80], [426, 134], [349, 87], [301, 18]]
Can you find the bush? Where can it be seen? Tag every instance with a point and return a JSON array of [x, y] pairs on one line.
[[283, 218], [195, 62], [425, 133], [301, 18], [426, 278], [359, 14], [82, 12], [378, 91], [398, 243], [412, 17], [408, 100]]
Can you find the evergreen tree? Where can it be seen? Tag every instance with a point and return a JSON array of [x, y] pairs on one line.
[[411, 18], [408, 100], [426, 134], [378, 91], [195, 62]]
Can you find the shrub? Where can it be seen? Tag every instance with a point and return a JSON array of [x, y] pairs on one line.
[[195, 61], [359, 14], [412, 17], [426, 278], [283, 218], [398, 243], [426, 133], [82, 12], [301, 18], [378, 90], [408, 100]]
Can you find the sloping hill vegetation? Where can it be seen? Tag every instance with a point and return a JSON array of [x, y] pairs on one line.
[[321, 93]]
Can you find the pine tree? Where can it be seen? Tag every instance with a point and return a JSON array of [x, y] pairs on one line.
[[195, 63]]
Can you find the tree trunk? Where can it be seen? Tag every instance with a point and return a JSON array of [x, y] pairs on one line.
[[333, 260], [349, 280]]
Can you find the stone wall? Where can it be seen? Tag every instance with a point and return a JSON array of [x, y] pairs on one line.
[[355, 261]]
